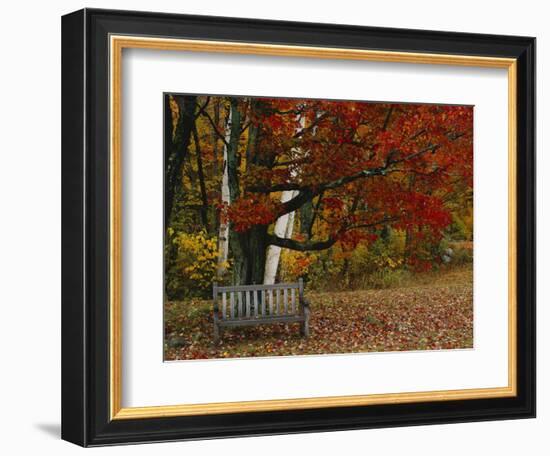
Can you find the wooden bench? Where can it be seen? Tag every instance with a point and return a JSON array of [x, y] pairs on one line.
[[246, 305]]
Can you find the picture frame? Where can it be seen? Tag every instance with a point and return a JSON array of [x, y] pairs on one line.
[[92, 45]]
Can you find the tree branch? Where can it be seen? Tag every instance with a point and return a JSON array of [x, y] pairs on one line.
[[314, 124], [314, 216], [298, 161], [215, 127], [305, 246], [384, 221], [275, 187], [245, 127], [307, 193], [202, 108], [204, 196], [387, 119]]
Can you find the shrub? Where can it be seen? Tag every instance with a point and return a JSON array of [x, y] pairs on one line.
[[369, 264], [462, 256], [461, 228], [385, 254], [193, 265], [295, 264], [385, 278]]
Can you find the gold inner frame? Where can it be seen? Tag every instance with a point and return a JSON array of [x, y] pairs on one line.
[[117, 44]]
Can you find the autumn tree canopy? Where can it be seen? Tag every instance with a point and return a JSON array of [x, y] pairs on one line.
[[264, 174]]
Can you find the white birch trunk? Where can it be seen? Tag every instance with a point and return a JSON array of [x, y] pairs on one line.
[[223, 236], [290, 223], [284, 226]]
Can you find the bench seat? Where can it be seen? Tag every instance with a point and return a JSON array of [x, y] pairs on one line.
[[248, 305]]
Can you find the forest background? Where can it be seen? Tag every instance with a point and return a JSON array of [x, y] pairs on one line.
[[346, 195]]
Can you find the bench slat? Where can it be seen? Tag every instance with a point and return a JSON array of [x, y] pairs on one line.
[[261, 321], [276, 286], [253, 301], [224, 305], [240, 299]]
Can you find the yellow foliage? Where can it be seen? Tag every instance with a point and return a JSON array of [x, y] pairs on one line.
[[174, 108], [197, 258], [295, 264]]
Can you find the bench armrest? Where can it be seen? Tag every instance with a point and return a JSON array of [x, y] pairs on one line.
[[305, 302]]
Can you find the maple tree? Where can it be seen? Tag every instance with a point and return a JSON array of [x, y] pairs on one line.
[[346, 169]]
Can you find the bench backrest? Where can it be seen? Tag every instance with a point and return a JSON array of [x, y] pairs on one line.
[[256, 301]]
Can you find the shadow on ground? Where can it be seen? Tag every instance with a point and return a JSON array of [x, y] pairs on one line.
[[51, 429]]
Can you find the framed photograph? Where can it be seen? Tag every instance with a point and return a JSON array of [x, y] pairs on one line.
[[274, 227]]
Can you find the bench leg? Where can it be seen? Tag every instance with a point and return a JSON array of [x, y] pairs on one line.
[[304, 326], [216, 332]]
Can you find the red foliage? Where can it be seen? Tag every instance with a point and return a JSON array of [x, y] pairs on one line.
[[247, 212], [351, 238], [424, 151]]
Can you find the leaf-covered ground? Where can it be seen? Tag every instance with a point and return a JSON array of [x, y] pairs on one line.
[[434, 313]]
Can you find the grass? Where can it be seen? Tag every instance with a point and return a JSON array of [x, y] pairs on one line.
[[426, 312]]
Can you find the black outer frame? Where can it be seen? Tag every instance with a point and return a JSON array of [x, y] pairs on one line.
[[85, 227]]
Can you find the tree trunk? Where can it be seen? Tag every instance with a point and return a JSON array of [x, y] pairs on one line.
[[176, 149], [249, 264], [314, 215], [306, 216], [253, 133], [249, 248], [284, 226], [223, 236], [168, 151], [345, 272], [280, 230], [237, 241], [202, 185], [233, 151], [215, 138], [409, 233]]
